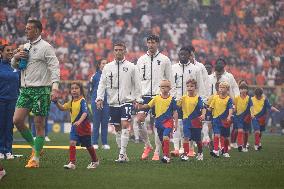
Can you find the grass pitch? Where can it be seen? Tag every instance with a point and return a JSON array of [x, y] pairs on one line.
[[263, 169]]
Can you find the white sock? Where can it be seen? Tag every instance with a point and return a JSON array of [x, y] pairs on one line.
[[181, 133], [205, 132], [144, 134], [176, 138], [158, 143], [118, 139], [124, 140], [135, 128]]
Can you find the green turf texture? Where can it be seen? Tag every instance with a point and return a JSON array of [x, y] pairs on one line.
[[264, 169]]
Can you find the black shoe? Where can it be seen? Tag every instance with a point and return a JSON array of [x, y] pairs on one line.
[[240, 148]]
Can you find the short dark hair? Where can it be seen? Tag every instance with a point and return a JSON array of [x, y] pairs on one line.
[[153, 38], [2, 47], [192, 49], [36, 23], [243, 86], [185, 49], [121, 44], [220, 64], [258, 92]]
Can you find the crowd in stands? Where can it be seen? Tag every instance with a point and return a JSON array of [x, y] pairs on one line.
[[249, 34]]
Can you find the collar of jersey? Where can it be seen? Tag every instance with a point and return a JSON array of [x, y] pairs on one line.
[[184, 64], [36, 41], [156, 54]]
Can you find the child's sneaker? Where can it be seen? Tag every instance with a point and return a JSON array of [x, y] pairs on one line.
[[32, 164], [70, 165], [166, 159], [156, 157], [146, 153], [226, 155], [9, 156], [257, 147], [184, 157], [2, 174], [215, 154], [199, 157], [175, 153], [2, 156], [244, 150], [122, 158], [93, 165], [96, 146]]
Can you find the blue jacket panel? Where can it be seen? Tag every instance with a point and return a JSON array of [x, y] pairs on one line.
[[9, 81], [95, 80]]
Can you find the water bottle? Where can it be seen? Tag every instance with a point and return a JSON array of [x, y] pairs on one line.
[[24, 61]]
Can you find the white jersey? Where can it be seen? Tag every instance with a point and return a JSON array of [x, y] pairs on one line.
[[203, 72], [228, 77], [212, 82], [182, 73], [121, 82], [152, 71]]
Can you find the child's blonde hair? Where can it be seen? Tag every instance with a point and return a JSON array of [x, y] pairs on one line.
[[224, 84], [168, 81]]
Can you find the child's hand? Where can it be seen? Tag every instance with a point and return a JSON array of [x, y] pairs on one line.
[[202, 117], [229, 118], [99, 104], [77, 123]]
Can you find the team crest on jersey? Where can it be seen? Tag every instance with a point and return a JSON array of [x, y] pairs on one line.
[[189, 71], [34, 50], [159, 62], [125, 69]]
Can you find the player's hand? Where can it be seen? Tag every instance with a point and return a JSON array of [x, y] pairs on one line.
[[54, 95], [202, 117], [21, 54], [229, 118], [99, 104], [77, 123], [136, 105]]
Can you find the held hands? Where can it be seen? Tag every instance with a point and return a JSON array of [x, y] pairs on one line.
[[54, 95], [202, 117], [229, 118], [77, 123], [99, 104]]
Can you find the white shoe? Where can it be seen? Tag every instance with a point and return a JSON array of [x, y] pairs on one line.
[[256, 147], [70, 165], [2, 174], [96, 146], [106, 147], [184, 157], [93, 165], [216, 153], [199, 157], [226, 155], [244, 150], [166, 159], [9, 156], [234, 145], [122, 158], [2, 156], [47, 139]]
